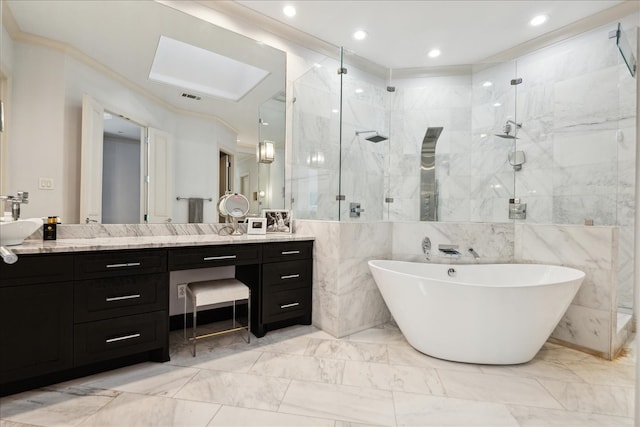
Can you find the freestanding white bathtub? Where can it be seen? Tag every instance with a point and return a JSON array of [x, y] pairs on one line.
[[495, 314]]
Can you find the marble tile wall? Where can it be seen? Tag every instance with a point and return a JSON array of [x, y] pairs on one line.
[[591, 320], [345, 297]]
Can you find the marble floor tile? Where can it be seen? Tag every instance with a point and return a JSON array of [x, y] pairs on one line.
[[230, 416], [235, 389], [355, 404], [393, 377], [497, 388], [301, 376], [409, 356], [385, 334], [53, 407], [535, 369], [139, 410], [421, 410], [144, 378], [233, 358], [304, 368], [346, 350], [528, 416], [604, 372], [599, 399]]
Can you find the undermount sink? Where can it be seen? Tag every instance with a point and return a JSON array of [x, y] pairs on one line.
[[14, 232]]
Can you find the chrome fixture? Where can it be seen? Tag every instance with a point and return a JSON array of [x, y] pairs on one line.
[[474, 253], [428, 181], [517, 210], [516, 159], [21, 198], [507, 129], [8, 256], [451, 272], [375, 138], [355, 210], [449, 250], [426, 248]]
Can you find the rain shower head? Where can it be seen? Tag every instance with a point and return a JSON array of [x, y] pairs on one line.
[[374, 138], [508, 128]]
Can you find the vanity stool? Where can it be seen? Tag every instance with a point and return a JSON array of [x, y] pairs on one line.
[[215, 292]]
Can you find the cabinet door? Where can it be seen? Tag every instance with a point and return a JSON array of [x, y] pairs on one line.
[[36, 330]]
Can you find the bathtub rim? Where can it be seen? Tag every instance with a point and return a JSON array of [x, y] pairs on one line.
[[579, 274]]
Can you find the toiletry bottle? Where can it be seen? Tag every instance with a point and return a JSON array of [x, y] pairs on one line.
[[50, 228]]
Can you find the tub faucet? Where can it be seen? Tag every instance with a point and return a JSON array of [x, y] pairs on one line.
[[426, 248], [474, 253]]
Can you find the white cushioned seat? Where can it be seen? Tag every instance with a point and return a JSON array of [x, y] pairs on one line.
[[208, 292]]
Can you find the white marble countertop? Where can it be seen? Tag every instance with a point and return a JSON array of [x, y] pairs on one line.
[[145, 242]]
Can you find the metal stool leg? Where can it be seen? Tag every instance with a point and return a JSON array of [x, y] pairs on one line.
[[195, 313]]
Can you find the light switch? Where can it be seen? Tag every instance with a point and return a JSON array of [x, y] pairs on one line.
[[45, 183]]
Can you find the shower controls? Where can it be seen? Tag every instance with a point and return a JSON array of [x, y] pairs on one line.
[[517, 210], [451, 272], [355, 210]]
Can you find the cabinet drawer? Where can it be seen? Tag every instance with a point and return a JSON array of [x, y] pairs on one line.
[[31, 269], [108, 339], [285, 251], [213, 256], [287, 272], [120, 296], [120, 263], [286, 303]]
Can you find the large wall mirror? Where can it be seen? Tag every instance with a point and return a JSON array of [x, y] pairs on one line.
[[132, 112]]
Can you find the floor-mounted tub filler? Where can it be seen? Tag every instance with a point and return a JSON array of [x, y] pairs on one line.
[[498, 314]]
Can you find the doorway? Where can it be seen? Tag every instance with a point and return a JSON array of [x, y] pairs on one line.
[[122, 170]]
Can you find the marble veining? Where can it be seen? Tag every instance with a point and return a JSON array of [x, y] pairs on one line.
[[80, 238], [292, 382]]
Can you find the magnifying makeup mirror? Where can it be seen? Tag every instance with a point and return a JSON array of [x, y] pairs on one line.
[[234, 206]]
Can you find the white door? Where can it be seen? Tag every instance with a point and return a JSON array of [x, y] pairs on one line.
[[91, 161], [159, 177]]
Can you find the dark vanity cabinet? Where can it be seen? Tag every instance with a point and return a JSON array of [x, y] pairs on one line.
[[286, 274], [120, 305], [36, 316], [72, 314]]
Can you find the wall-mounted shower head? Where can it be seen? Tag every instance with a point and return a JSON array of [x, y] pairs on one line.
[[508, 128], [375, 138]]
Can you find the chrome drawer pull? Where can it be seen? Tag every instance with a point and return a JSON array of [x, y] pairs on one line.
[[213, 258], [290, 252], [290, 276], [126, 264], [126, 337], [123, 297], [293, 304]]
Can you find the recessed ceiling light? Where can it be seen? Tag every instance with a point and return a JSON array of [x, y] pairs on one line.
[[359, 90], [360, 35], [289, 11], [434, 53], [335, 111], [497, 104], [487, 84], [538, 20]]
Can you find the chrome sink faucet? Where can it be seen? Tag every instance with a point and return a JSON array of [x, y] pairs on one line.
[[16, 201], [474, 253]]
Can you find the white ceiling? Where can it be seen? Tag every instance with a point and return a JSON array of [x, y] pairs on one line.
[[400, 32]]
